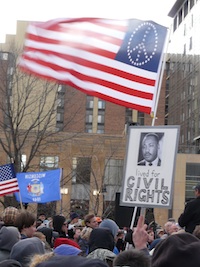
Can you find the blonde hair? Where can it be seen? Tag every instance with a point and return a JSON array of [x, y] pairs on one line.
[[85, 233], [40, 258]]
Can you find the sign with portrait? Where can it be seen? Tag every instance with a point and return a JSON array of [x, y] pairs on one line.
[[149, 166]]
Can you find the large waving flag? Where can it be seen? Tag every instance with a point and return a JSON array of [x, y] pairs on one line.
[[8, 180], [116, 60], [39, 187]]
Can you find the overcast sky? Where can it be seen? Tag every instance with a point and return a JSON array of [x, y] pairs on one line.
[[42, 10]]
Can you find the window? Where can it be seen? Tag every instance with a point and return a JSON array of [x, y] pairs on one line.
[[100, 119], [192, 22], [89, 114], [89, 102], [48, 163], [190, 45], [61, 89], [140, 118], [175, 24], [191, 4], [185, 8], [100, 129], [184, 31], [88, 128], [89, 118], [60, 117], [192, 178], [180, 14], [60, 102], [184, 49], [23, 162], [4, 56], [81, 170], [128, 114], [101, 104], [113, 172]]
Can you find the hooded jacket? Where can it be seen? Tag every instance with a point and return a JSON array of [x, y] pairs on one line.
[[108, 223], [9, 236], [101, 238], [23, 250]]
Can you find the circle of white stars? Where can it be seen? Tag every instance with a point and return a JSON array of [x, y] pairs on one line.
[[141, 48]]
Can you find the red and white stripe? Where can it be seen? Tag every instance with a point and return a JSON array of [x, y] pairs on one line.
[[81, 52], [9, 186]]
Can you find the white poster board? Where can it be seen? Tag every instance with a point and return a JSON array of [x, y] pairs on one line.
[[149, 166]]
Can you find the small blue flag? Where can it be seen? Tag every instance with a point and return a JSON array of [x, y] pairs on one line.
[[39, 187]]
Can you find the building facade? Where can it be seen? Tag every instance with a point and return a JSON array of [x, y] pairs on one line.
[[90, 145]]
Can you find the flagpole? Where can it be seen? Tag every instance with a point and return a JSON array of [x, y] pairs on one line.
[[61, 200], [20, 198], [160, 79]]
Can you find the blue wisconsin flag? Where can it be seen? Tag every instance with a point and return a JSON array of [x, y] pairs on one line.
[[39, 187]]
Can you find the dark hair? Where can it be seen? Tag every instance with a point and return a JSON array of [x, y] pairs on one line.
[[88, 218], [152, 135], [24, 219], [132, 258]]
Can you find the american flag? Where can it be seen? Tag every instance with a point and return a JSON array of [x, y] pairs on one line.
[[115, 60], [8, 180]]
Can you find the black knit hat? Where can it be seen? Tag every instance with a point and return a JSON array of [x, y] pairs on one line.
[[181, 249]]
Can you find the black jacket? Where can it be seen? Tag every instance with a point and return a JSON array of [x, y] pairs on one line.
[[191, 215]]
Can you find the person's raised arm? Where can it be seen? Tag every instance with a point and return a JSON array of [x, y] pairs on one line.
[[140, 235]]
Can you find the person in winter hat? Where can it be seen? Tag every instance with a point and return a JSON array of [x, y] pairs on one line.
[[108, 223], [181, 249], [101, 238], [60, 225], [65, 249], [114, 228], [101, 245], [9, 236], [23, 250], [9, 215], [69, 261]]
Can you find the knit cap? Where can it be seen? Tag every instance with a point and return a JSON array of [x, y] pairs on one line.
[[9, 215], [73, 215], [181, 249], [108, 223], [63, 240], [65, 249]]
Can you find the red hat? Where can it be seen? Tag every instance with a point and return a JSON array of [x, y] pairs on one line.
[[98, 219], [62, 240]]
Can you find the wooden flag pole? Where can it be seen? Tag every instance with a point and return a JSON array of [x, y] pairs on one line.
[[160, 79], [20, 198]]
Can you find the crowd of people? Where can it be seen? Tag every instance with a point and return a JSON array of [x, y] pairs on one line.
[[30, 241]]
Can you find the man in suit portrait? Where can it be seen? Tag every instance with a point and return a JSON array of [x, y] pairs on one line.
[[149, 149]]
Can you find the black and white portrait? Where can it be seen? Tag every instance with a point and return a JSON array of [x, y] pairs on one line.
[[150, 149]]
